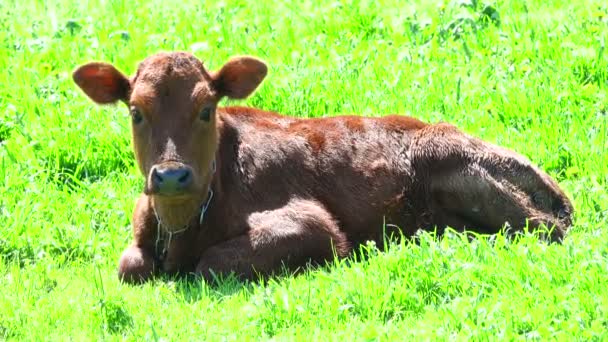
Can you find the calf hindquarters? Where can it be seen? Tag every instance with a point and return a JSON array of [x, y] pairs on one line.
[[471, 184]]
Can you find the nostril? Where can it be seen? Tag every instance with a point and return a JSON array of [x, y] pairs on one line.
[[185, 177], [156, 177]]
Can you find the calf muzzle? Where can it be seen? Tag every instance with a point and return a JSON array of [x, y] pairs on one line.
[[170, 179]]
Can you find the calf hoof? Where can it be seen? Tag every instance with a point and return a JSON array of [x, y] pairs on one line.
[[135, 266]]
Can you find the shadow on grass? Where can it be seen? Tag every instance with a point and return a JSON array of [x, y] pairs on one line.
[[193, 288]]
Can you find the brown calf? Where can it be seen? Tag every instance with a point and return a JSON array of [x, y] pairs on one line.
[[243, 190]]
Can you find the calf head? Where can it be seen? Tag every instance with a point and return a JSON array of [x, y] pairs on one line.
[[172, 100]]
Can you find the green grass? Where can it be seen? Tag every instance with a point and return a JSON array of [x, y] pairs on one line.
[[531, 76]]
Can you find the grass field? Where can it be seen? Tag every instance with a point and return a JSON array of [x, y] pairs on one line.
[[531, 76]]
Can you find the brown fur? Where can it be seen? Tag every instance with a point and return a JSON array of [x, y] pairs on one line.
[[290, 191]]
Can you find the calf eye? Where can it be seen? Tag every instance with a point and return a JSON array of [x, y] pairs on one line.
[[136, 116], [205, 114]]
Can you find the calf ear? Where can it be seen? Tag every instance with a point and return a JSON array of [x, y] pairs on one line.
[[239, 77], [102, 82]]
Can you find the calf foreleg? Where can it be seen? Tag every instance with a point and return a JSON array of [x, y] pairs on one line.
[[135, 265], [300, 232]]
